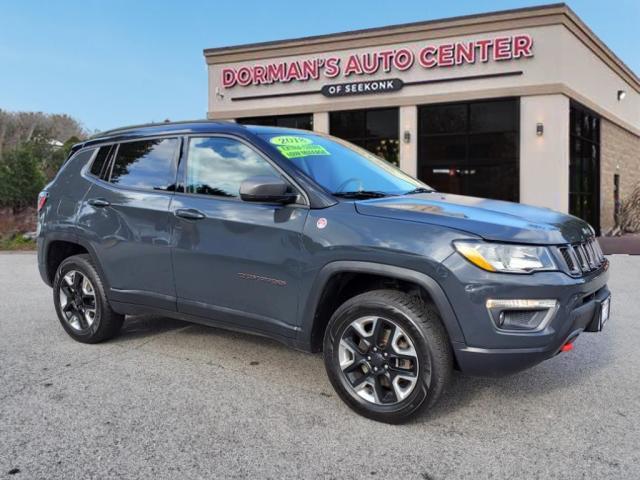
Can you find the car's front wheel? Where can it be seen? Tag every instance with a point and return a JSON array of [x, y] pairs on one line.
[[81, 303], [387, 355]]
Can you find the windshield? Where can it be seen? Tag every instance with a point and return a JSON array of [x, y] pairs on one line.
[[342, 168]]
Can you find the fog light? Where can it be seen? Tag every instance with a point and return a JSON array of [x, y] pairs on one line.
[[521, 315]]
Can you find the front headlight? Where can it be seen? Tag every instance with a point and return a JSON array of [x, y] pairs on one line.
[[503, 257]]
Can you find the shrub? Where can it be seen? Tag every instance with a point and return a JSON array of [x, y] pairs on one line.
[[22, 175]]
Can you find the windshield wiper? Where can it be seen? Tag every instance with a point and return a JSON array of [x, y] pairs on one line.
[[419, 190], [361, 194]]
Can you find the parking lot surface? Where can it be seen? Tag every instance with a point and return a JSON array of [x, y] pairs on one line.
[[168, 399]]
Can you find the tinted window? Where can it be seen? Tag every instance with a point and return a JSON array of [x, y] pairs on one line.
[[375, 130], [303, 121], [470, 148], [217, 166], [100, 162], [146, 164], [447, 118], [493, 116], [584, 165]]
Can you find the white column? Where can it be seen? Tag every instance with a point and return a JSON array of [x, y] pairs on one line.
[[321, 122], [409, 150], [544, 159]]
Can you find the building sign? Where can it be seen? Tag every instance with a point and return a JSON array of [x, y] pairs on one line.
[[362, 88], [444, 55]]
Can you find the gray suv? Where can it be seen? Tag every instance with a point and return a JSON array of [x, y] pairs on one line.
[[316, 243]]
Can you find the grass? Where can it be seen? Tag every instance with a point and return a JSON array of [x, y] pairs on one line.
[[16, 241]]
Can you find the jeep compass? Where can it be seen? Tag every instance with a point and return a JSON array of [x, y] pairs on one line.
[[321, 245]]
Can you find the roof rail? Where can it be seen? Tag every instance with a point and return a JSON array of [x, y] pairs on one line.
[[151, 124]]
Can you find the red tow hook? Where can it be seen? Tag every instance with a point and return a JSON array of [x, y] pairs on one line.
[[567, 347]]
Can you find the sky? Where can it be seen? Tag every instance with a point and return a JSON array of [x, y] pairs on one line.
[[119, 62]]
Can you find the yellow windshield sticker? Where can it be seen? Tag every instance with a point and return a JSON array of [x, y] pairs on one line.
[[290, 140], [292, 146]]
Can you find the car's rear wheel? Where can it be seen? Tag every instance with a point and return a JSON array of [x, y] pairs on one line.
[[387, 355], [81, 303]]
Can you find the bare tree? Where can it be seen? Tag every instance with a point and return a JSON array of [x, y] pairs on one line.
[[17, 128]]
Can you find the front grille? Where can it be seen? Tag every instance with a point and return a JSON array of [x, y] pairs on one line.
[[582, 257]]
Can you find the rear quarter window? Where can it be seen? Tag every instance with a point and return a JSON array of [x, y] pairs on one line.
[[146, 164], [99, 165]]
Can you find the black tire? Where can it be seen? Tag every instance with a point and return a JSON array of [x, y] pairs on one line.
[[421, 323], [105, 322]]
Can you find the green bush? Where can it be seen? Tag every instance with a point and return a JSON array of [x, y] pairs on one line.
[[22, 174]]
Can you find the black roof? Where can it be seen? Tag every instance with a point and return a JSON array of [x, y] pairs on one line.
[[179, 128], [318, 198]]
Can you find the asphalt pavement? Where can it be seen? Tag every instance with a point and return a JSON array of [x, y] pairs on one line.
[[168, 399]]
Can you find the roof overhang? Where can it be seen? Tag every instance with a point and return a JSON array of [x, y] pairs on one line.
[[555, 14]]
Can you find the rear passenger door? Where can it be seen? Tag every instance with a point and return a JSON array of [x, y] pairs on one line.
[[125, 216], [235, 261]]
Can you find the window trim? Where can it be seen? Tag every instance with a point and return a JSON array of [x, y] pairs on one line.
[[302, 194], [86, 167], [106, 167], [114, 156]]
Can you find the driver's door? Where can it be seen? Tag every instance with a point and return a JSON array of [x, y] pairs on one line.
[[234, 261]]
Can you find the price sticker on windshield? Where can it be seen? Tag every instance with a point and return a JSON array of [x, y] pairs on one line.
[[293, 146]]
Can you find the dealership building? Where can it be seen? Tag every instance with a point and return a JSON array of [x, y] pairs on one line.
[[524, 105]]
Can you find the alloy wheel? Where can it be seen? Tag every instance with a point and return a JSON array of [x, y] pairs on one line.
[[378, 359], [78, 301]]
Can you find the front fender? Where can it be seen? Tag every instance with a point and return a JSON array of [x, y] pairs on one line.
[[425, 281]]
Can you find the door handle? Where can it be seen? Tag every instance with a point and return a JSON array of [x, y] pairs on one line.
[[189, 214], [99, 202]]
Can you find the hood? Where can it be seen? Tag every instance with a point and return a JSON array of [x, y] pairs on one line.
[[490, 219]]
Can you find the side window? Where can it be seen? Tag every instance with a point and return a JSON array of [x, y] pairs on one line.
[[146, 164], [100, 162], [217, 166]]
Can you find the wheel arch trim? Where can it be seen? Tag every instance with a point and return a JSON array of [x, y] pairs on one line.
[[427, 282], [71, 238]]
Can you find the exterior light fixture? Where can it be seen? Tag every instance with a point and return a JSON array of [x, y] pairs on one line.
[[621, 95], [407, 136], [539, 129]]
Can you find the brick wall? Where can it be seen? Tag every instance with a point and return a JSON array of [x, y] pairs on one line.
[[619, 153]]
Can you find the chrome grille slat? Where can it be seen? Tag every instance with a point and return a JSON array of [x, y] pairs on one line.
[[583, 257], [591, 258]]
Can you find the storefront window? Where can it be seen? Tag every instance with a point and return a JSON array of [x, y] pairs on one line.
[[303, 121], [470, 148], [375, 130], [584, 165]]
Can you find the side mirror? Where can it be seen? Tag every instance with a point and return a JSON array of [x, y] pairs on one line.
[[266, 189]]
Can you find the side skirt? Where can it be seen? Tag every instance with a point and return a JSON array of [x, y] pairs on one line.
[[134, 309]]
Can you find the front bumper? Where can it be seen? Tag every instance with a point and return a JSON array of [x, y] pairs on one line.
[[486, 350]]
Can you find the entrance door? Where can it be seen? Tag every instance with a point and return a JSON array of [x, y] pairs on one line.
[[584, 165]]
